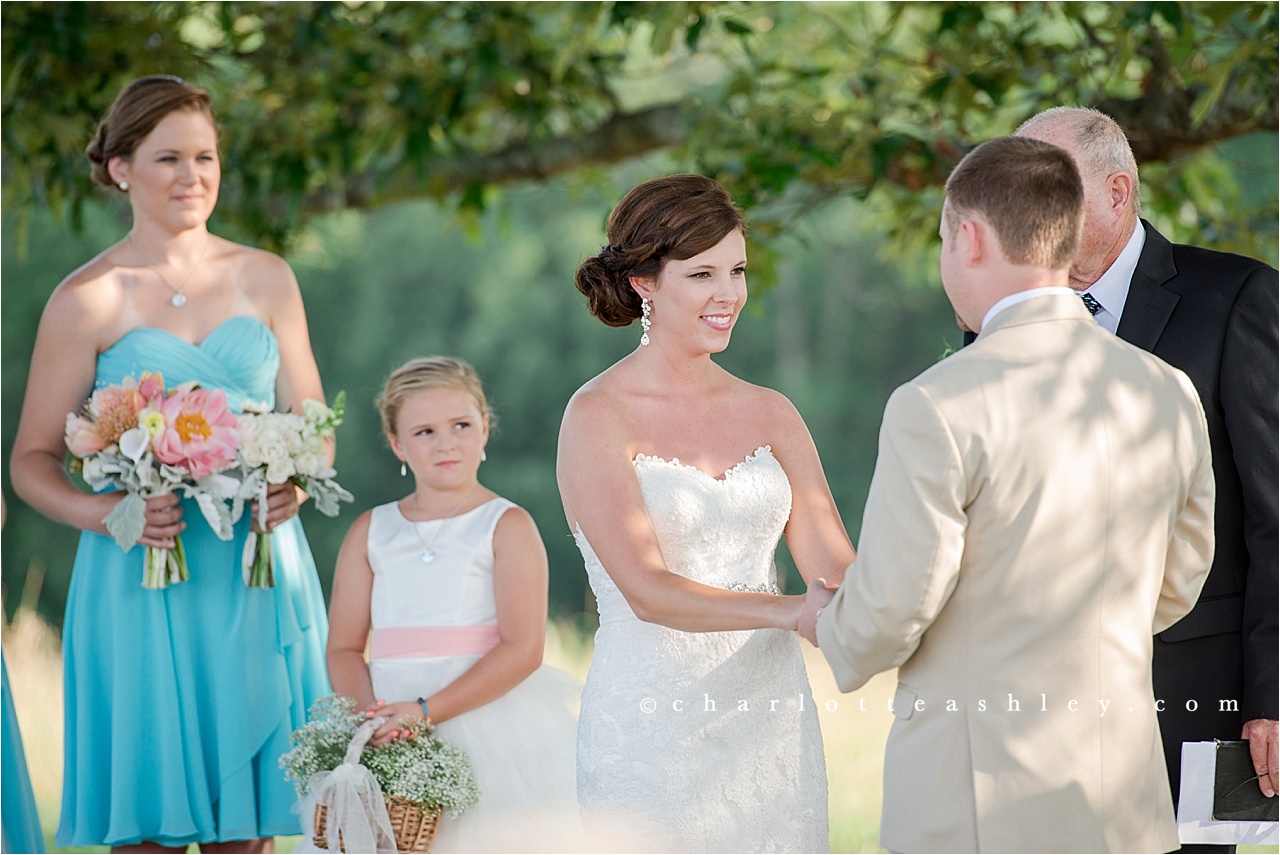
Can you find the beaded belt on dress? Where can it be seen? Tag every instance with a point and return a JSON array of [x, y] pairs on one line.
[[414, 642]]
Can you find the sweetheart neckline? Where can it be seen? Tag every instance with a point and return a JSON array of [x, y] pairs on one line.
[[197, 345], [723, 478]]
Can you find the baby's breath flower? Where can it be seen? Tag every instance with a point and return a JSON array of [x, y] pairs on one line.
[[421, 768]]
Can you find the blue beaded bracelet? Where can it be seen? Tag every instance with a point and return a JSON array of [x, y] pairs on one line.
[[422, 702]]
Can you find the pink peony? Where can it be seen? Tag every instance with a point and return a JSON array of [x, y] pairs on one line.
[[200, 432], [151, 387], [82, 437]]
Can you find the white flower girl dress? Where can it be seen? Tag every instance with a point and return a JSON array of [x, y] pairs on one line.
[[431, 621]]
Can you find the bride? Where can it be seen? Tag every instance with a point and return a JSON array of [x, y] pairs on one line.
[[678, 478]]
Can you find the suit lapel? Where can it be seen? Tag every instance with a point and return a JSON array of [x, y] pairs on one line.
[[1149, 304]]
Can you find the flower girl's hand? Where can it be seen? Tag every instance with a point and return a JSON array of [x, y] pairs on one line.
[[396, 715], [282, 505]]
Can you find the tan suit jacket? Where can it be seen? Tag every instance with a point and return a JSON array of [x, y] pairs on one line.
[[1041, 505]]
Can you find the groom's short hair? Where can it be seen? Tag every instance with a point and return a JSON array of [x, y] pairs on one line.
[[1028, 191]]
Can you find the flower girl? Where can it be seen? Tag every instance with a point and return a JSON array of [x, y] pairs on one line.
[[449, 588]]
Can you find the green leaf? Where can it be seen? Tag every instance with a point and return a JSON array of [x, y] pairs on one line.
[[127, 520]]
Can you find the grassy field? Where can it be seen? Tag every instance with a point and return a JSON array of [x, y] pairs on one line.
[[854, 740]]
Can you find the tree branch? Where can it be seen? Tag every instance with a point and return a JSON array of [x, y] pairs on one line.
[[619, 138], [1158, 126]]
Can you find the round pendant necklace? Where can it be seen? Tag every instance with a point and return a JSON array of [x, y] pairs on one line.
[[179, 299], [428, 553]]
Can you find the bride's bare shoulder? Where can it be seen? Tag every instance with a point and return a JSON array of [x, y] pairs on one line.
[[600, 412], [779, 416], [600, 399]]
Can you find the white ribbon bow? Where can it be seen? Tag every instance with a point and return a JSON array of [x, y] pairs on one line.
[[353, 800]]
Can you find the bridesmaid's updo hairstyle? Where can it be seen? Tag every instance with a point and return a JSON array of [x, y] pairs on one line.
[[430, 372], [675, 217], [135, 113]]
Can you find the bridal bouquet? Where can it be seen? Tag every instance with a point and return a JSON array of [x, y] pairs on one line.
[[279, 447], [137, 437], [418, 777]]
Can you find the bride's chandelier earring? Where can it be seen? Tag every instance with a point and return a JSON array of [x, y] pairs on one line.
[[645, 308]]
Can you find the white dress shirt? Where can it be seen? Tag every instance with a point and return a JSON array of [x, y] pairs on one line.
[[1112, 288], [1021, 296]]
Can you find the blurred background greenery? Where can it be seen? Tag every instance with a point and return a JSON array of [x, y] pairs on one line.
[[435, 171]]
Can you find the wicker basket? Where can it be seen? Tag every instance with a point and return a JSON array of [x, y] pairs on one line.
[[414, 827]]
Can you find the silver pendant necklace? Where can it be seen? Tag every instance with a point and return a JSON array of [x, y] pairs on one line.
[[429, 554], [179, 299]]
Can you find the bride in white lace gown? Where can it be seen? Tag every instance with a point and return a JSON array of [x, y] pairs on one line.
[[697, 725]]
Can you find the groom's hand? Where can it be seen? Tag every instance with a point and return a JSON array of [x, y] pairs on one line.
[[815, 599]]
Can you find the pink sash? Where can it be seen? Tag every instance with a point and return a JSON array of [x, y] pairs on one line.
[[415, 642]]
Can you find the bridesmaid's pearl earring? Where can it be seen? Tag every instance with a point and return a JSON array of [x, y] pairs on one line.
[[645, 323], [124, 185], [404, 469]]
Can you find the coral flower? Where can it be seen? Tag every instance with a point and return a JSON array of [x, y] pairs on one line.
[[82, 437], [199, 434], [114, 410]]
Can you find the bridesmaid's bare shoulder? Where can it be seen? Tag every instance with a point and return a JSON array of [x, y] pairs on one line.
[[90, 304], [264, 277]]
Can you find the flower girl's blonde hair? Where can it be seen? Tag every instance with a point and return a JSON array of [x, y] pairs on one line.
[[430, 372]]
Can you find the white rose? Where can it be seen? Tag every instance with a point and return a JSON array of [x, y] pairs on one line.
[[279, 471], [309, 464]]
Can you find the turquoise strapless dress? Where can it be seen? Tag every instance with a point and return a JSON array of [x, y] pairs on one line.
[[179, 702]]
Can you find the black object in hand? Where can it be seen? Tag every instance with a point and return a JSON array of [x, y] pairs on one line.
[[1236, 795]]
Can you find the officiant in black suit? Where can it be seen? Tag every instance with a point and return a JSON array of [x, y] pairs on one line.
[[1213, 315]]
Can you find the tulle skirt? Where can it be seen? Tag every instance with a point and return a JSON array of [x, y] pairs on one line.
[[522, 750]]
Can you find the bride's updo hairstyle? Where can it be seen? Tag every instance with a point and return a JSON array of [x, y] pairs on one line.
[[675, 217], [135, 113], [430, 372]]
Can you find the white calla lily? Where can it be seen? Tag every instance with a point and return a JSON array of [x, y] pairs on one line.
[[133, 443]]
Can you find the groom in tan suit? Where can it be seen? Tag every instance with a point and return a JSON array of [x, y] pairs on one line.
[[1041, 505]]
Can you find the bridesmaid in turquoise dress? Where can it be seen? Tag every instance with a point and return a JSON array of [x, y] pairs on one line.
[[178, 701], [21, 821]]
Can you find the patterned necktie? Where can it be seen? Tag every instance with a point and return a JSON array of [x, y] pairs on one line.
[[1091, 304]]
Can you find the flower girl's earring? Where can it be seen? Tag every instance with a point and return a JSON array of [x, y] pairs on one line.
[[484, 455], [404, 469], [645, 323]]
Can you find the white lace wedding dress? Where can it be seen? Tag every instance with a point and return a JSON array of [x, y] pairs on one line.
[[705, 742]]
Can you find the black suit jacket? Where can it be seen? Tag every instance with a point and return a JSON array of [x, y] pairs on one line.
[[1214, 316]]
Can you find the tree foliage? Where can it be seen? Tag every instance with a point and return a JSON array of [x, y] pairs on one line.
[[337, 105]]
